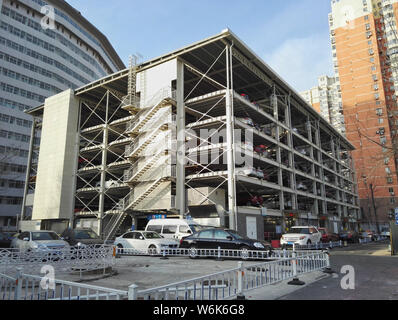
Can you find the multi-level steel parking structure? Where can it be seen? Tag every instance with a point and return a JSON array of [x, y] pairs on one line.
[[209, 132]]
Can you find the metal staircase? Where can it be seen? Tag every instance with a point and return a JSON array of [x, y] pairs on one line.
[[157, 122], [131, 204], [134, 150], [130, 176], [163, 98]]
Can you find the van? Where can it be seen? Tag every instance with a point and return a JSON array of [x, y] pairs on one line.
[[173, 228]]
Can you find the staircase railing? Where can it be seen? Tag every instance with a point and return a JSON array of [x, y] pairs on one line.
[[151, 106], [136, 145]]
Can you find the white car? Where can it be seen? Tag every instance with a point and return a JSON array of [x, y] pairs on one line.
[[145, 241], [248, 146], [247, 171], [108, 184], [302, 187], [247, 121], [39, 241], [301, 235]]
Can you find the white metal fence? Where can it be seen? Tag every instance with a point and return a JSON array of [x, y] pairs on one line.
[[218, 286], [242, 254], [67, 259], [234, 282], [29, 287]]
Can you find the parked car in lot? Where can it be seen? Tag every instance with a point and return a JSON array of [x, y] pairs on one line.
[[349, 236], [6, 238], [368, 235], [213, 238], [173, 228], [39, 241], [328, 236], [301, 235], [145, 241], [81, 237]]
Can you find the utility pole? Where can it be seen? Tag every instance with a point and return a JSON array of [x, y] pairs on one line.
[[374, 208]]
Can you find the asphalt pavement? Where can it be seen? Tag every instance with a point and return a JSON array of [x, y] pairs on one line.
[[375, 276]]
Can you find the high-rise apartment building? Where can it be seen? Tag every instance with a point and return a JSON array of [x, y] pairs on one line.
[[45, 48], [363, 38], [326, 99]]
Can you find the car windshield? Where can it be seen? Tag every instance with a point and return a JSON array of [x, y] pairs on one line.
[[152, 235], [85, 234], [196, 228], [300, 230], [42, 236]]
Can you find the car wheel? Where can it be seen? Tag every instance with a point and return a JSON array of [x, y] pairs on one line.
[[120, 249], [309, 242], [193, 252], [152, 250], [244, 252]]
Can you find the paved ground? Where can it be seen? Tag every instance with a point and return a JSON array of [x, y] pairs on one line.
[[149, 272], [376, 276]]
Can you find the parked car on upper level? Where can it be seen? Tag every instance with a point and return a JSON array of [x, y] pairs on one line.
[[328, 236], [302, 187], [245, 96], [349, 236], [250, 200], [146, 241], [301, 235], [81, 237], [248, 121], [213, 238], [39, 241], [248, 171]]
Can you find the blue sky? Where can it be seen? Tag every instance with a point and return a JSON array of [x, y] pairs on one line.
[[291, 36]]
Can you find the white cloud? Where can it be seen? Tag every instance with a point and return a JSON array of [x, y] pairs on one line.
[[300, 61]]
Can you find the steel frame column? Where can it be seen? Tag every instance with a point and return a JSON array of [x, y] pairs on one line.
[[76, 167], [28, 168], [180, 173], [230, 145], [103, 168]]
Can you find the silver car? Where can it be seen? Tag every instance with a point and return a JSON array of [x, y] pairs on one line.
[[39, 241]]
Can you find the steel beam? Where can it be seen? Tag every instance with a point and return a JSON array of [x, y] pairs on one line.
[[230, 147], [180, 174]]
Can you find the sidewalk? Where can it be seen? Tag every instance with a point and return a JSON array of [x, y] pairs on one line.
[[278, 290]]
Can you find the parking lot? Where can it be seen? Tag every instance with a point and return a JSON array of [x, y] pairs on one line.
[[148, 272]]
